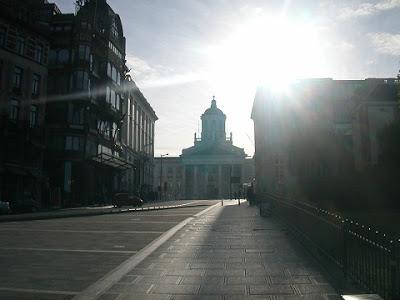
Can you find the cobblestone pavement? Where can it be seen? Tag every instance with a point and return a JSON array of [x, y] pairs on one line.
[[228, 253]]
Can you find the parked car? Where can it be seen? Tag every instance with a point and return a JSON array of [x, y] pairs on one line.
[[123, 199], [26, 205], [4, 207]]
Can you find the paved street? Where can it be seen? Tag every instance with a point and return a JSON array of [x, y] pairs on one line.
[[230, 252], [58, 258], [227, 252]]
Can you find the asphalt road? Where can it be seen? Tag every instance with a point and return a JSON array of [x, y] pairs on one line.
[[58, 258]]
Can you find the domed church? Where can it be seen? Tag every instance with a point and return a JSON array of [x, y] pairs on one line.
[[213, 168]]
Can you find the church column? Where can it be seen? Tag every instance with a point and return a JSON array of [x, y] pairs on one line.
[[242, 178], [220, 184], [206, 169], [183, 184], [194, 182]]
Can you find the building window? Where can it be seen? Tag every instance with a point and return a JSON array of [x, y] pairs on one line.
[[73, 143], [80, 80], [114, 131], [108, 95], [113, 98], [35, 84], [91, 148], [113, 73], [2, 36], [62, 56], [114, 28], [20, 43], [114, 49], [39, 53], [109, 69], [103, 128], [17, 79], [33, 116], [67, 176], [1, 73], [14, 110], [75, 114], [84, 52], [117, 102]]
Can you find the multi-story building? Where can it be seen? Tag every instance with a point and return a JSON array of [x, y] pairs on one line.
[[84, 112], [374, 106], [138, 140], [351, 111], [211, 169], [24, 45]]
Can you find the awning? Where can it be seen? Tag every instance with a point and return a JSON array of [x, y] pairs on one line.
[[112, 161]]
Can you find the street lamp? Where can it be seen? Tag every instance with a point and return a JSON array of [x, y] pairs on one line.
[[161, 157]]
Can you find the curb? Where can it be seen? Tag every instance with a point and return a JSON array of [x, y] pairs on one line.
[[45, 216]]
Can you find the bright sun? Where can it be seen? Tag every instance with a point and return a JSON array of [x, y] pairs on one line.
[[268, 51]]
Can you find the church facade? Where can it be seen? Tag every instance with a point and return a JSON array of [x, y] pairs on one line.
[[213, 168]]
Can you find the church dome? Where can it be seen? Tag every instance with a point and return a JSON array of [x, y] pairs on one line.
[[213, 109]]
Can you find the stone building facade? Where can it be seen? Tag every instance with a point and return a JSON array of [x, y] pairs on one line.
[[138, 140], [213, 168]]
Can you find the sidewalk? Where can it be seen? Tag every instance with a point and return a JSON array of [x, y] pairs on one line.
[[100, 210], [229, 252]]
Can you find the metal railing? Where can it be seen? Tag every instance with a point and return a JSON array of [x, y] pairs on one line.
[[357, 252]]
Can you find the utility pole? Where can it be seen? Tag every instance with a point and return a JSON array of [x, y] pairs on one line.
[[161, 173]]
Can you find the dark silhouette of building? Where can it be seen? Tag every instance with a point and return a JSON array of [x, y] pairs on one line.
[[24, 47], [75, 128], [350, 112], [84, 157]]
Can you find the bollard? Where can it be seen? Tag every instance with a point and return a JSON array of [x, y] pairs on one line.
[[239, 201], [222, 202]]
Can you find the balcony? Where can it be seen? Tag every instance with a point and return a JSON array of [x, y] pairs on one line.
[[112, 161]]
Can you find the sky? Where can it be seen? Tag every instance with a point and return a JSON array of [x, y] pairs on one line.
[[182, 52]]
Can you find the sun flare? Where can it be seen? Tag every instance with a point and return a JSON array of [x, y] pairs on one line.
[[267, 51]]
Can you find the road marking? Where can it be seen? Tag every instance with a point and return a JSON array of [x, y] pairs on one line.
[[119, 222], [107, 281], [81, 231], [149, 289], [68, 250], [38, 291], [165, 215]]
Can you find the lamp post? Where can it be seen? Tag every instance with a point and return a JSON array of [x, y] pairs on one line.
[[161, 172]]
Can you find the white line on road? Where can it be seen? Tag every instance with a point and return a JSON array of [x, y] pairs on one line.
[[121, 222], [38, 291], [103, 284], [68, 250], [81, 231]]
